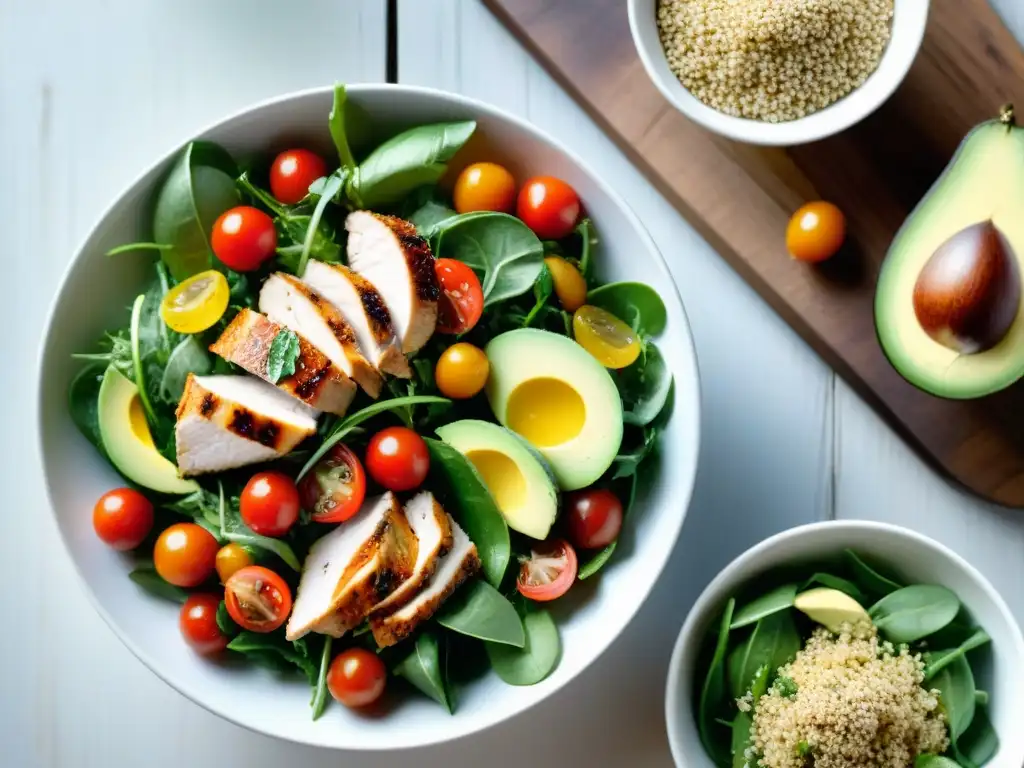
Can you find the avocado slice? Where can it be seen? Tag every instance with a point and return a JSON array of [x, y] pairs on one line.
[[522, 485], [127, 439], [948, 308]]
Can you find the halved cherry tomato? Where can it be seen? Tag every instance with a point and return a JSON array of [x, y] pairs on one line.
[[816, 232], [292, 172], [462, 298], [548, 572], [231, 558], [122, 518], [549, 207], [484, 187], [570, 287], [185, 554], [243, 238], [461, 371], [334, 491], [195, 304], [602, 334], [257, 599], [594, 518], [270, 503], [356, 677], [198, 624], [398, 459]]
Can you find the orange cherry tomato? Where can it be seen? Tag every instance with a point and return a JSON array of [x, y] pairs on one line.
[[461, 371], [257, 599], [243, 238], [462, 299], [549, 207], [270, 503], [292, 172], [484, 187], [816, 232], [548, 572], [198, 624], [185, 555], [356, 677], [230, 559], [122, 518]]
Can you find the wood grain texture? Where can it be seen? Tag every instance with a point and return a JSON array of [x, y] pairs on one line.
[[736, 195]]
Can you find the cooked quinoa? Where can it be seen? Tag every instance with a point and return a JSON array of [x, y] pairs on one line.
[[773, 60], [858, 703]]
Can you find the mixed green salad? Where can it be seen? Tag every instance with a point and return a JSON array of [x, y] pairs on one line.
[[373, 411], [844, 665]]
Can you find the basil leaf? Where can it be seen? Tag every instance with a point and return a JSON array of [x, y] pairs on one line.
[[956, 688], [636, 304], [912, 613], [533, 662], [644, 386], [422, 668], [284, 351], [713, 694], [147, 578], [479, 610], [190, 356], [937, 660], [779, 599]]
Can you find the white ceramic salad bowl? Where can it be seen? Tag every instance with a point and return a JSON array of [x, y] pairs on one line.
[[93, 296]]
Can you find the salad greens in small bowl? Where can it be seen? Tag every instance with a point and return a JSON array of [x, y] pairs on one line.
[[843, 643], [381, 404]]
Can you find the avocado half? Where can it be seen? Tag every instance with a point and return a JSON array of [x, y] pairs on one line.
[[948, 308]]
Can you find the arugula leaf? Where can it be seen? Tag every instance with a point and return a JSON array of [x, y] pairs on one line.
[[588, 238], [336, 123], [147, 578], [233, 529], [542, 290], [114, 349], [319, 701], [333, 185], [284, 351], [188, 357]]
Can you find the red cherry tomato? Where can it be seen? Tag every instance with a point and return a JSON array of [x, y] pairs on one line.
[[356, 677], [270, 503], [292, 172], [243, 238], [548, 206], [595, 518], [122, 518], [198, 624], [185, 555], [335, 489], [257, 599], [398, 459], [462, 298], [548, 572]]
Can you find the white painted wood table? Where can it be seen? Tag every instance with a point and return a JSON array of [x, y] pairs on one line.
[[91, 92]]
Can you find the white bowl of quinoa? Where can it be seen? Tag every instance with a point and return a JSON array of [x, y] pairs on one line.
[[849, 697], [777, 72]]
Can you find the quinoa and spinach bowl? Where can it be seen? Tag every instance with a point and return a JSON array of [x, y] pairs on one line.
[[843, 665]]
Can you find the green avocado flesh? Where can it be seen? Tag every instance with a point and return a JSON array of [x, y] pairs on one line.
[[128, 442], [983, 183]]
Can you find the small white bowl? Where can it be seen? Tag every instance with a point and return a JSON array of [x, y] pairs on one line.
[[917, 559], [909, 22]]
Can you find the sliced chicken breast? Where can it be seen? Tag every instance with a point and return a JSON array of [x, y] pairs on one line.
[[457, 566], [431, 525], [353, 568], [231, 421], [365, 310], [289, 302], [387, 251], [317, 381]]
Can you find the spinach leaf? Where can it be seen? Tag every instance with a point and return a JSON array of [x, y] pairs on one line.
[[332, 187], [147, 578], [465, 494], [83, 403], [479, 610], [598, 561], [411, 159], [914, 612], [979, 743], [501, 248], [773, 643], [740, 741], [934, 761], [713, 695], [188, 357], [422, 668], [937, 660], [137, 368], [224, 621], [198, 189], [425, 209], [868, 578], [779, 599], [132, 247], [955, 684], [319, 700], [588, 242], [273, 650], [835, 582], [645, 387], [636, 304], [233, 529], [284, 351], [339, 133], [538, 656]]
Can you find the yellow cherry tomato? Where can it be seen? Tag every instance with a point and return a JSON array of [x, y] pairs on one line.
[[484, 187], [197, 303], [231, 558], [461, 371], [570, 287], [602, 334], [815, 232]]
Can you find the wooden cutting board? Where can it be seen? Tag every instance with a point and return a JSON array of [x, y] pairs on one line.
[[740, 199]]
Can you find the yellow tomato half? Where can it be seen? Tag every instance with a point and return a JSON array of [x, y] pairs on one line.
[[602, 334], [570, 287], [196, 304]]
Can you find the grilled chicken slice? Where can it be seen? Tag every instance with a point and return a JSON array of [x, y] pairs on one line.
[[352, 569], [387, 251], [365, 310], [289, 302], [431, 525], [231, 421], [317, 381], [455, 567]]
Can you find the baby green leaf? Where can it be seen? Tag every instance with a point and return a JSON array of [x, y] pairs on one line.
[[188, 357], [284, 351], [645, 386], [912, 613], [147, 578], [479, 610], [955, 684], [636, 304], [422, 668], [83, 403], [425, 209], [331, 188], [868, 578], [778, 599], [713, 692], [774, 642], [538, 656], [937, 660]]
